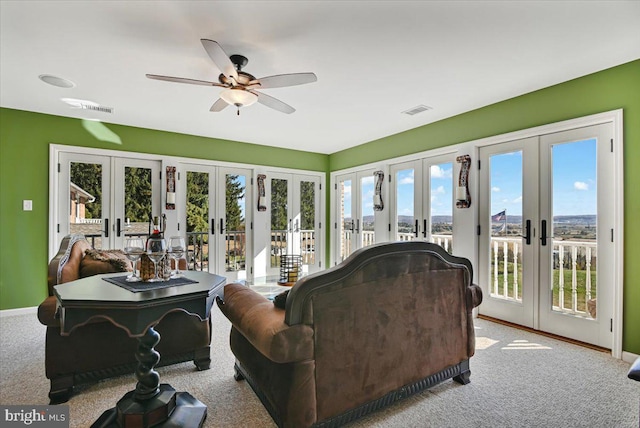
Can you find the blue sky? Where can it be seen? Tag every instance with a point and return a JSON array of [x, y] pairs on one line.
[[574, 180], [441, 190]]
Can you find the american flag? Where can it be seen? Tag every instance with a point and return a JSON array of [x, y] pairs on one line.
[[501, 216]]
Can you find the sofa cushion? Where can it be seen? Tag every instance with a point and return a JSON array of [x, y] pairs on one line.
[[103, 261], [263, 325]]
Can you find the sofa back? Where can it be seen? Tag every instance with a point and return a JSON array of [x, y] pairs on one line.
[[65, 265], [390, 315]]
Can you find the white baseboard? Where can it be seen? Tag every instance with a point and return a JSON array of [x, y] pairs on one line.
[[629, 357], [20, 311]]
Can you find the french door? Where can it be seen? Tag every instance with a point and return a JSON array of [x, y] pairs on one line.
[[422, 200], [355, 217], [547, 220], [106, 198], [294, 221], [235, 223]]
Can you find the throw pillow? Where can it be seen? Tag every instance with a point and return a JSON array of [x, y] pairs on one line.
[[103, 261], [280, 301]]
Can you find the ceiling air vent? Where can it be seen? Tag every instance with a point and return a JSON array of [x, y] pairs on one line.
[[87, 105], [417, 109], [99, 108]]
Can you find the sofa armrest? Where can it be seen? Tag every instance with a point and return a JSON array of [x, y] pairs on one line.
[[262, 324], [474, 296], [47, 312]]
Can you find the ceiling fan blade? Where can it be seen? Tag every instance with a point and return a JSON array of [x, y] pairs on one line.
[[220, 58], [282, 80], [273, 103], [183, 80], [218, 105]]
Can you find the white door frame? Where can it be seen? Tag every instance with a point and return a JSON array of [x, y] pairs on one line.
[[615, 118]]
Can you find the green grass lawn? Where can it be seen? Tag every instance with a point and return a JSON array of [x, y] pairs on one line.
[[581, 279]]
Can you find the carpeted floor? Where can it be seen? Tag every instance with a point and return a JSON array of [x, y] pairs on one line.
[[518, 379]]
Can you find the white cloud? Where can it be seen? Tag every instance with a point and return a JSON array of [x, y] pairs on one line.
[[438, 172], [407, 179], [580, 185], [440, 190], [367, 180], [517, 200], [495, 189]]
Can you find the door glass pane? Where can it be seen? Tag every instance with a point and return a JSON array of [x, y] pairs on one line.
[[405, 209], [308, 222], [85, 198], [198, 220], [346, 219], [137, 201], [366, 203], [279, 220], [506, 225], [574, 213], [235, 228], [441, 179]]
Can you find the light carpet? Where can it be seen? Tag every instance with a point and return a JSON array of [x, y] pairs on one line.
[[518, 379]]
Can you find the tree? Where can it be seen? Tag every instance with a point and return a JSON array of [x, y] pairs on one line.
[[137, 195], [197, 201], [279, 204], [234, 194], [88, 176], [307, 205]]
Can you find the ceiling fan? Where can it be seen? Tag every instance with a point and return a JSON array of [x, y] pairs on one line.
[[240, 87]]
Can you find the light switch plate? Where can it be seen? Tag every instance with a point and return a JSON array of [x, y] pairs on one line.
[[27, 205]]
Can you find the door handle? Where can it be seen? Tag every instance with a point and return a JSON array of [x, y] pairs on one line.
[[543, 233], [221, 226], [416, 231], [106, 227], [118, 227], [213, 226], [424, 228], [527, 230]]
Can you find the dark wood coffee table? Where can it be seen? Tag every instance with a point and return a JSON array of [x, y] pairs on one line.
[[151, 403]]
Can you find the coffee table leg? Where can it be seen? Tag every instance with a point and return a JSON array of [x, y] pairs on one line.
[[148, 379]]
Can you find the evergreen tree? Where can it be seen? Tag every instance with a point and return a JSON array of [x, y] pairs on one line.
[[197, 201], [307, 205], [278, 204], [137, 199], [88, 176], [234, 193]]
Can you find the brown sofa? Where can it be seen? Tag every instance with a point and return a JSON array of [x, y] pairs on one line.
[[390, 321], [99, 349]]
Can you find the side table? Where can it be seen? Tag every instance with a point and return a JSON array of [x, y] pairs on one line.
[[151, 403]]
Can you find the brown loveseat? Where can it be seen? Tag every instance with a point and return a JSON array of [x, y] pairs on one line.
[[99, 349], [390, 321]]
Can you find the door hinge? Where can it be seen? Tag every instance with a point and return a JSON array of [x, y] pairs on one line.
[[59, 168], [389, 227], [336, 186], [611, 325], [478, 164], [178, 225], [612, 145], [611, 235], [335, 226], [320, 186], [478, 231], [389, 178], [251, 225], [252, 181], [160, 174], [320, 225], [178, 176], [58, 227], [251, 270], [319, 264]]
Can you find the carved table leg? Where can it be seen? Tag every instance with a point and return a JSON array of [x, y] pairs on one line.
[[152, 403]]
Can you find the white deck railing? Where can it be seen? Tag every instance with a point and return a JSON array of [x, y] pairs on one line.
[[577, 256]]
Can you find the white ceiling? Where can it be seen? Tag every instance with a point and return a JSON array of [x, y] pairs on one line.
[[373, 59]]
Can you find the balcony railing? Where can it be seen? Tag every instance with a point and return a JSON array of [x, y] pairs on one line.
[[572, 276]]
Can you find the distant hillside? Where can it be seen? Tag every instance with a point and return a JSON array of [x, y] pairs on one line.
[[588, 220]]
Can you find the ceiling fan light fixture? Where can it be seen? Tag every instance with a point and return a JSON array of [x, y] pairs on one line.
[[238, 97]]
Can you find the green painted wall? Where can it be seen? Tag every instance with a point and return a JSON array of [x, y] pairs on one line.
[[24, 151], [611, 89], [24, 174]]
